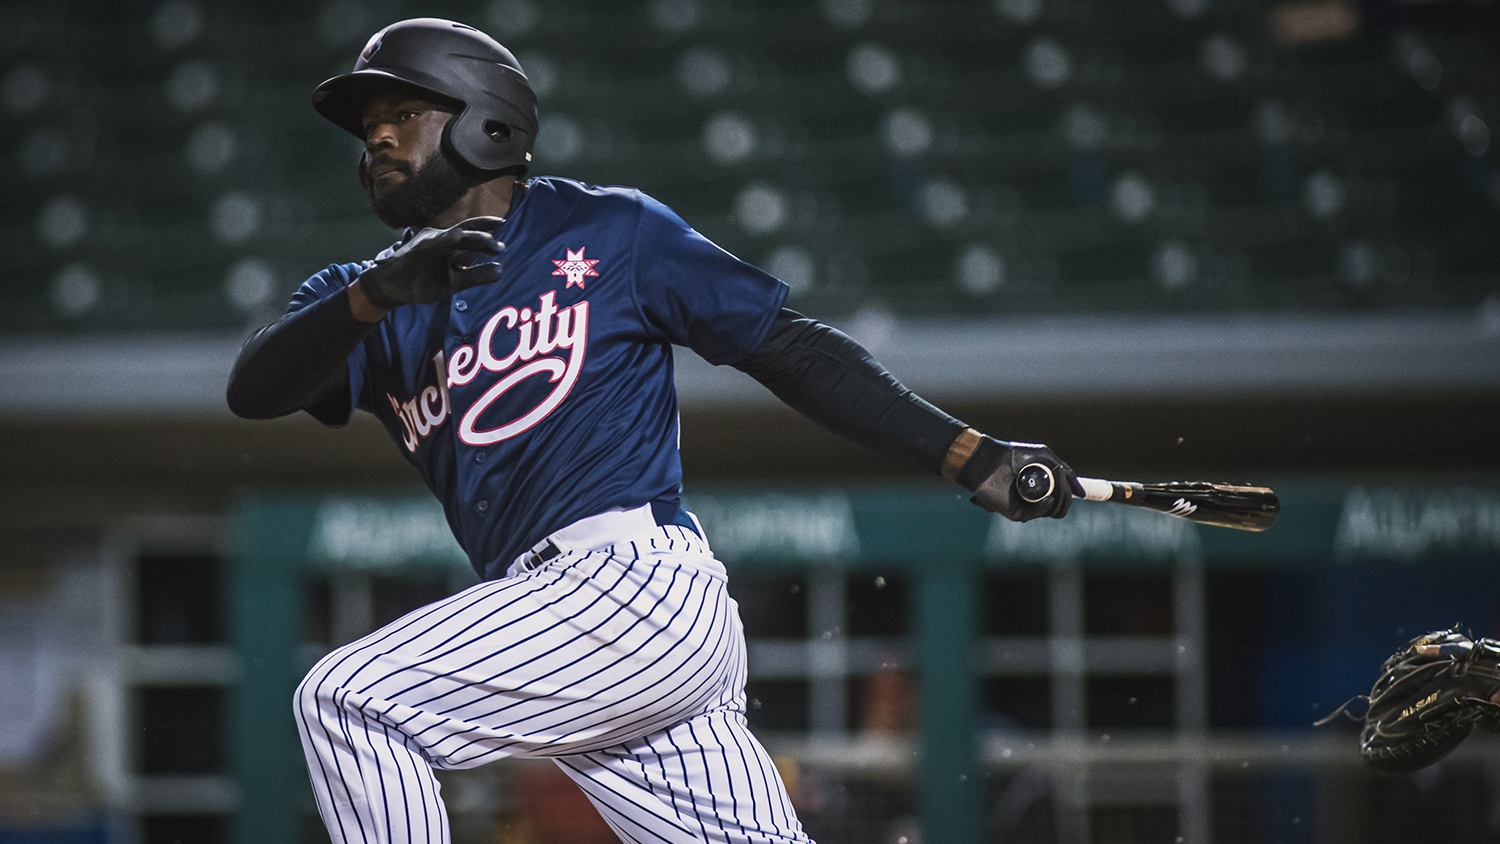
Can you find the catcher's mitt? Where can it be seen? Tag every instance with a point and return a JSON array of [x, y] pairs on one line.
[[1429, 697]]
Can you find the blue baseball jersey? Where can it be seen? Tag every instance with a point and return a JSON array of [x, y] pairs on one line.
[[547, 397]]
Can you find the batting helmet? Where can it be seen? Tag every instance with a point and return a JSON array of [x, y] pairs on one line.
[[496, 123]]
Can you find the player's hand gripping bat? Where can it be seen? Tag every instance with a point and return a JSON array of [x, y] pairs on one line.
[[433, 265], [1225, 505]]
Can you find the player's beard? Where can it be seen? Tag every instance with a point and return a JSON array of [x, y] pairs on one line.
[[426, 192]]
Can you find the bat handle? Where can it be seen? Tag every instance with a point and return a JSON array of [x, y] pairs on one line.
[[1035, 482], [1097, 490]]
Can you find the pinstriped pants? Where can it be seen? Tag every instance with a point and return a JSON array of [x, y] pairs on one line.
[[624, 665]]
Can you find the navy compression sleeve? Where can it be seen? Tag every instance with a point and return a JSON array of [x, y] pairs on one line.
[[826, 376], [299, 362]]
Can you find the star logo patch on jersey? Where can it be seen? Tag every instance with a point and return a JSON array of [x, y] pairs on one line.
[[575, 267]]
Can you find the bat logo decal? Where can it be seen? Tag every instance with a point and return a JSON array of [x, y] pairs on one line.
[[1183, 507]]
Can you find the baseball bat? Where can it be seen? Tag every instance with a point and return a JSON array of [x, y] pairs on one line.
[[1225, 505]]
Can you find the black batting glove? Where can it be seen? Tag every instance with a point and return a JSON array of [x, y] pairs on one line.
[[991, 475], [434, 265]]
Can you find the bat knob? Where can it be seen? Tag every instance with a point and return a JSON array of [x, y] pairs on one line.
[[1034, 482]]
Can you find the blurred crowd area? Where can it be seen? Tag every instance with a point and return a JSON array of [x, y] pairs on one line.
[[945, 157]]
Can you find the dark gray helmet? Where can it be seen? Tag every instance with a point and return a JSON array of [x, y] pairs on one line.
[[496, 123]]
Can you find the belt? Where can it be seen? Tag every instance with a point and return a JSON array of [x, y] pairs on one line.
[[539, 557], [603, 529]]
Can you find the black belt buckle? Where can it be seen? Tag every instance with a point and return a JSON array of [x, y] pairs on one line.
[[536, 559]]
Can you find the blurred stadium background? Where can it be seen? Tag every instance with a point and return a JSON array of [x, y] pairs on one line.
[[1242, 240]]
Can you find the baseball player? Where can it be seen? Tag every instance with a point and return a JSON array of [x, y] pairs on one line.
[[516, 342]]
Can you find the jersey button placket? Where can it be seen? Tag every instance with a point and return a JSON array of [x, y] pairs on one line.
[[481, 505], [460, 305]]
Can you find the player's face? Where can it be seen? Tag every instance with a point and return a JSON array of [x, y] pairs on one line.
[[401, 132], [409, 179]]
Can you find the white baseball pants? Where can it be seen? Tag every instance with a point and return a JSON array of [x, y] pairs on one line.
[[624, 663]]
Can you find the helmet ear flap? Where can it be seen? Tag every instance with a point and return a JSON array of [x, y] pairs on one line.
[[485, 144], [456, 151]]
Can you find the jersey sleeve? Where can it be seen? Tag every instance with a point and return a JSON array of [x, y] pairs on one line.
[[697, 294], [323, 284]]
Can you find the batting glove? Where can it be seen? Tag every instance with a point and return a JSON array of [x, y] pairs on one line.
[[991, 475], [434, 265]]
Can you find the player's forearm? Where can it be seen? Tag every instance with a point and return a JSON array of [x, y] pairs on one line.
[[291, 363], [360, 307], [825, 375]]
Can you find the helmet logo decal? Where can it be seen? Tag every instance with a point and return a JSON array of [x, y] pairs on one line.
[[371, 47], [575, 267]]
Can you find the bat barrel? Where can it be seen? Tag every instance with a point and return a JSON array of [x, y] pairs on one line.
[[1224, 505]]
